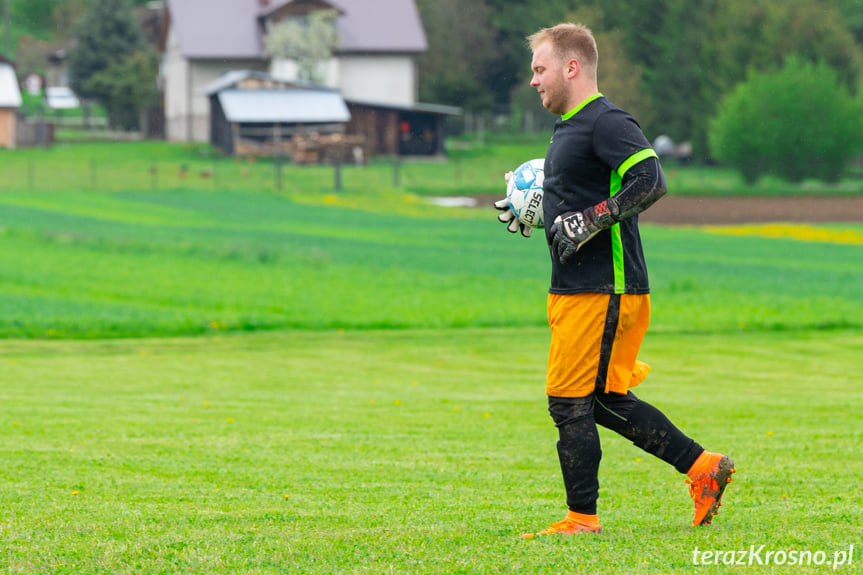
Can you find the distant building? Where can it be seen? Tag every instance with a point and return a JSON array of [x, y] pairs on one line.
[[61, 98], [10, 101], [374, 69], [253, 112]]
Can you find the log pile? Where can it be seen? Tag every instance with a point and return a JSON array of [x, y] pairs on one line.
[[329, 149], [310, 149]]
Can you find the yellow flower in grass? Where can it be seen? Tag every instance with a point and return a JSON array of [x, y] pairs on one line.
[[800, 232]]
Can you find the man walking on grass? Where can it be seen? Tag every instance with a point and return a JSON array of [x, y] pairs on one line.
[[600, 173]]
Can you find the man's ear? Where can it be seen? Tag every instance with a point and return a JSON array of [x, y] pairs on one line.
[[572, 68]]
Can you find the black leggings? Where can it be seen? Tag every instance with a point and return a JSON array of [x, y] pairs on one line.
[[579, 448]]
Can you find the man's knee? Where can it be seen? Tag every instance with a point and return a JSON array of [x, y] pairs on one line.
[[567, 410]]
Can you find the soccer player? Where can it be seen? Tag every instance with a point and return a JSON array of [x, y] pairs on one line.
[[600, 173]]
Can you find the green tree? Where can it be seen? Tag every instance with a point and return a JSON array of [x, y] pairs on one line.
[[851, 14], [309, 41], [618, 77], [761, 34], [800, 122], [34, 15], [511, 23], [695, 51], [106, 37], [461, 50], [131, 86], [66, 15]]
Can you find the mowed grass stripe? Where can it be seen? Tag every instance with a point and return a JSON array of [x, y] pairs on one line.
[[426, 451], [261, 261]]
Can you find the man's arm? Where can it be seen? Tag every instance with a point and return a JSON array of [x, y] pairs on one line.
[[642, 185]]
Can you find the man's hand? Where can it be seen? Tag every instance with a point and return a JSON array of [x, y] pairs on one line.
[[507, 216], [574, 229]]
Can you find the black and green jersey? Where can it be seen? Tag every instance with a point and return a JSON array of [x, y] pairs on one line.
[[591, 150]]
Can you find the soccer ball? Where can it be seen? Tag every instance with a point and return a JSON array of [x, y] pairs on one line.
[[524, 192]]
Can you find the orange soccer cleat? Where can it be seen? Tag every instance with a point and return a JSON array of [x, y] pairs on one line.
[[572, 524], [708, 477]]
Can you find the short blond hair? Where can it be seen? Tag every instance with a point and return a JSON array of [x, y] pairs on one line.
[[568, 41]]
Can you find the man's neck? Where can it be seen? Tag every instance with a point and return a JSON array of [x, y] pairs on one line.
[[581, 94], [575, 106]]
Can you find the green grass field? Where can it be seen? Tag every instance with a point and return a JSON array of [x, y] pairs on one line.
[[421, 451], [173, 263], [471, 169], [221, 378]]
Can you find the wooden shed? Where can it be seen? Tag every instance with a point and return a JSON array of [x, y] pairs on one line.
[[410, 130], [252, 113], [10, 101]]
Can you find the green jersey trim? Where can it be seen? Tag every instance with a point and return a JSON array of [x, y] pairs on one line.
[[634, 159], [575, 110], [617, 242]]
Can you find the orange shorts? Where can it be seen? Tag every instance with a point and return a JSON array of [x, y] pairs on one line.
[[595, 340]]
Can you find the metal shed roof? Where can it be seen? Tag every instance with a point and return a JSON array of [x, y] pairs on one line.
[[284, 106], [10, 92], [440, 109]]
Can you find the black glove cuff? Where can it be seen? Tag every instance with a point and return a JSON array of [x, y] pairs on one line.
[[604, 214]]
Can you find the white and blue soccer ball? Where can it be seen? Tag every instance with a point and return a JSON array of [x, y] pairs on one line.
[[524, 192]]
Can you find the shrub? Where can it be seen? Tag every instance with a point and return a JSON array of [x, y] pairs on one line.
[[797, 123]]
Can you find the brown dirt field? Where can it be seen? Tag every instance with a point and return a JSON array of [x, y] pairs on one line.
[[676, 210]]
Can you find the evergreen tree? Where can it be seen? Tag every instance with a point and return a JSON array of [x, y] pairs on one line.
[[130, 87], [106, 37], [460, 51]]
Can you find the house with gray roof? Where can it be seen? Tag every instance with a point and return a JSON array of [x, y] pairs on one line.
[[10, 101], [375, 62]]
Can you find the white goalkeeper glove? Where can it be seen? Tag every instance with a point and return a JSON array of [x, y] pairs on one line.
[[507, 216]]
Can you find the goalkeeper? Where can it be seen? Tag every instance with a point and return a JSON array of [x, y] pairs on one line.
[[600, 173]]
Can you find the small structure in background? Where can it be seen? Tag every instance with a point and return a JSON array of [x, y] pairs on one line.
[[666, 148], [10, 101], [57, 69], [417, 129], [254, 114], [373, 70], [61, 98]]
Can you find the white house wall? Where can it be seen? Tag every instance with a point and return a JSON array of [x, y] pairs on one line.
[[287, 70], [187, 110], [175, 80], [381, 79]]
